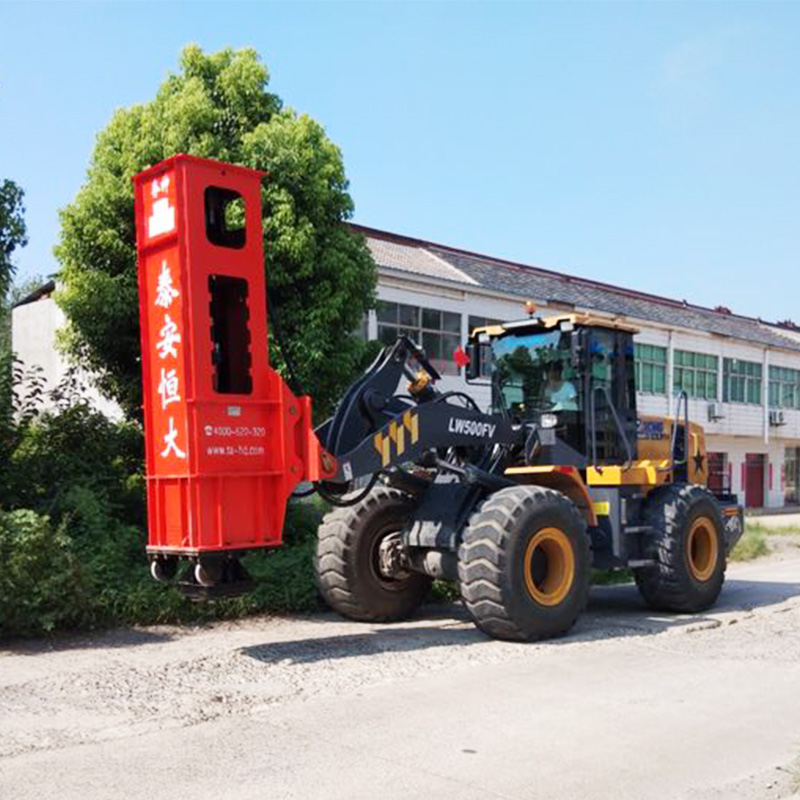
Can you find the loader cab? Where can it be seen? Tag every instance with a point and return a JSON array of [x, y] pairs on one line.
[[566, 374]]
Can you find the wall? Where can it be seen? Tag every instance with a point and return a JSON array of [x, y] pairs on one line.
[[33, 338]]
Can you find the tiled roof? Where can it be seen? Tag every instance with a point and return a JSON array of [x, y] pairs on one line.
[[412, 258], [534, 283], [45, 290]]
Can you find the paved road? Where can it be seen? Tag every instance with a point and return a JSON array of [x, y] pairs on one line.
[[630, 705]]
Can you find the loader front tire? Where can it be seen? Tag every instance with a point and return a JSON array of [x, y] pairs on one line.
[[687, 547], [524, 564], [346, 563]]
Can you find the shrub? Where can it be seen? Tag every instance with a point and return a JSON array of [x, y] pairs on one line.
[[76, 447], [90, 571], [285, 575], [41, 585], [73, 532]]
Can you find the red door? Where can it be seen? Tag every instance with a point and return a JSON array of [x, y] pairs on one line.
[[754, 480]]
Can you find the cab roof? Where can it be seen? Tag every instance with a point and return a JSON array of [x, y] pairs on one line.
[[581, 319]]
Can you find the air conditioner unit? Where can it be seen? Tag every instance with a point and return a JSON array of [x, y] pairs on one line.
[[777, 417], [715, 412]]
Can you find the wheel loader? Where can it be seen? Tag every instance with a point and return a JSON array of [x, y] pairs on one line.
[[516, 504]]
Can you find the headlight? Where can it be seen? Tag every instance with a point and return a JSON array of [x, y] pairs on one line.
[[548, 421]]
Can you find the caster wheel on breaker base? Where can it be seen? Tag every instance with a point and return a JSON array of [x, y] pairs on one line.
[[164, 569]]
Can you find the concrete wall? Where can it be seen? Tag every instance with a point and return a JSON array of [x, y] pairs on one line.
[[33, 338]]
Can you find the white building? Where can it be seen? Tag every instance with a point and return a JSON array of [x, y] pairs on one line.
[[34, 323], [742, 375]]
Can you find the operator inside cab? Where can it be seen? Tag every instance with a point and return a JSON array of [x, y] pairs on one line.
[[561, 393], [532, 374]]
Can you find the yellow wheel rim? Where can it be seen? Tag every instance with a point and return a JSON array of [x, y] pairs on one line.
[[549, 566], [702, 549]]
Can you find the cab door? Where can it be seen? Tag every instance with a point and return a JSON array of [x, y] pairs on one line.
[[610, 396]]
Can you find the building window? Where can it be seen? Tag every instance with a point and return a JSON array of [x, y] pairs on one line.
[[650, 362], [784, 387], [695, 374], [486, 349], [482, 322], [438, 332], [741, 381]]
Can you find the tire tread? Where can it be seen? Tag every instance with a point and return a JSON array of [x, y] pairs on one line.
[[483, 559], [667, 585], [335, 561]]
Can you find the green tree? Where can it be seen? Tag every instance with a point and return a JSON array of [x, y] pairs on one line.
[[17, 291], [12, 231], [321, 276], [12, 235]]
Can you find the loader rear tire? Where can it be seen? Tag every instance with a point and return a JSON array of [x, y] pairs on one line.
[[687, 544], [524, 564], [346, 561]]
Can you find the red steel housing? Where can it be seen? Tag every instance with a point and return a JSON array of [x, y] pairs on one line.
[[226, 441]]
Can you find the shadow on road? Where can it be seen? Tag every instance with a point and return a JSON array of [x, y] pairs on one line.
[[613, 612], [737, 595], [395, 639], [70, 641]]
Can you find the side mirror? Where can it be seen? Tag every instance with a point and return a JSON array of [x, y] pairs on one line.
[[473, 370]]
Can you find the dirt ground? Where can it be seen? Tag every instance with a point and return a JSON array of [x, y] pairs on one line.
[[784, 544], [630, 704]]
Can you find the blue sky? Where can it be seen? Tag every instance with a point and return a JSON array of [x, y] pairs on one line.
[[654, 145]]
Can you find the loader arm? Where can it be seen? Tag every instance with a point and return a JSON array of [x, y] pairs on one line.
[[376, 428]]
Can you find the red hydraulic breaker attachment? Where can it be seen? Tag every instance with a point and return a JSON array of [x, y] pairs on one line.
[[226, 441]]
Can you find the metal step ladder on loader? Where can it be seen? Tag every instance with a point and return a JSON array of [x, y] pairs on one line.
[[515, 505]]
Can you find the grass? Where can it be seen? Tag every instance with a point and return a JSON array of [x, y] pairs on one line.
[[753, 544], [444, 592], [611, 577]]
